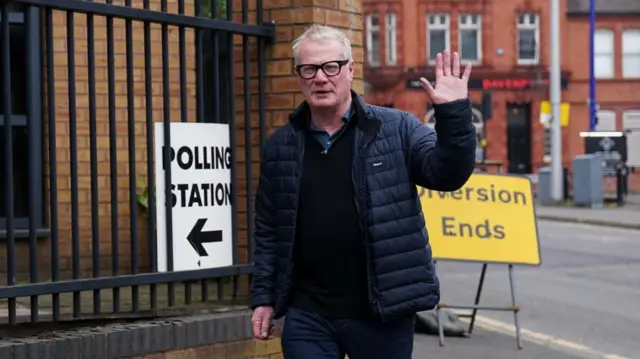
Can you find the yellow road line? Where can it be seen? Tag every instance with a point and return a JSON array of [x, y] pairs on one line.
[[541, 338]]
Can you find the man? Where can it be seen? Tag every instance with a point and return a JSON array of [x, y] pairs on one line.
[[341, 245]]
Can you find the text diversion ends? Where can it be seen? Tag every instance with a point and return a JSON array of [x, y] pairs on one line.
[[490, 219]]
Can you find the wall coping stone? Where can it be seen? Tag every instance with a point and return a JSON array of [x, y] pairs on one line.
[[122, 340]]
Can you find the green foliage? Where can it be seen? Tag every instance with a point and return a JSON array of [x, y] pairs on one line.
[[205, 8], [142, 195]]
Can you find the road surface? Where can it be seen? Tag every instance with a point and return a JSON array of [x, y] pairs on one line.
[[583, 302]]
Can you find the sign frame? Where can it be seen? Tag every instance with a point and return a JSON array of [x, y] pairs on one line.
[[535, 225], [440, 307]]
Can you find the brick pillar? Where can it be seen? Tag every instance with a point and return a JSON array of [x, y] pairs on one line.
[[281, 89]]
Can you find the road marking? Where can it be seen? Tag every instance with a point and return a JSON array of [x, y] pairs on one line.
[[540, 338], [588, 237], [585, 226]]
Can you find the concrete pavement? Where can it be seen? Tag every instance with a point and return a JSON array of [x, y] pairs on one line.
[[581, 303]]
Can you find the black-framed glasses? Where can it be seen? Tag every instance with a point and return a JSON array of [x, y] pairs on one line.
[[330, 68]]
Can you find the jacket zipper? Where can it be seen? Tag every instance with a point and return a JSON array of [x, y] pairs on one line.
[[290, 264], [361, 199]]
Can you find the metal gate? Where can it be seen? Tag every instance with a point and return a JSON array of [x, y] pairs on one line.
[[83, 84]]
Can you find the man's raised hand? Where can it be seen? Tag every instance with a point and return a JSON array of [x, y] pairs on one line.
[[450, 86]]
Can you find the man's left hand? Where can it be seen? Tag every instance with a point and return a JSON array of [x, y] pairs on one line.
[[449, 85]]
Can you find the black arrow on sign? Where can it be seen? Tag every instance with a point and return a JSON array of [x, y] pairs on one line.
[[197, 237]]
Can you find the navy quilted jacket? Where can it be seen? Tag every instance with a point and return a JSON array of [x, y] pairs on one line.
[[394, 152]]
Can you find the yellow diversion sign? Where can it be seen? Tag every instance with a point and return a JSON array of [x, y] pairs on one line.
[[491, 219]]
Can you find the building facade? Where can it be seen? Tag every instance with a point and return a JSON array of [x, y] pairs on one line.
[[617, 73], [508, 44]]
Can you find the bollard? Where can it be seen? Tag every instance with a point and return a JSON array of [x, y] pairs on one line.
[[625, 181], [565, 185], [619, 186]]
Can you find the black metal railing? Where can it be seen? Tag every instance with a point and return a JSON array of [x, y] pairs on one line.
[[83, 84]]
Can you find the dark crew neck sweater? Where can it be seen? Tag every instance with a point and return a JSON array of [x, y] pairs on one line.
[[330, 267]]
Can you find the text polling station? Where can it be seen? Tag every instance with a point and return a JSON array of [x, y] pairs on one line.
[[490, 219], [199, 159]]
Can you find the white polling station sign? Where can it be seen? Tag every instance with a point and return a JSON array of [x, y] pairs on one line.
[[200, 160]]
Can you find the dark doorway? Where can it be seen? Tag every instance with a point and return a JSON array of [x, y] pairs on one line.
[[519, 137]]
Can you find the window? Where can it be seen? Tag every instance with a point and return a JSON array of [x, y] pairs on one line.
[[603, 54], [437, 35], [631, 125], [631, 121], [470, 38], [631, 53], [26, 108], [528, 39], [391, 49], [606, 120], [373, 39]]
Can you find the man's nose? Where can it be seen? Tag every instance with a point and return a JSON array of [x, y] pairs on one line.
[[320, 76]]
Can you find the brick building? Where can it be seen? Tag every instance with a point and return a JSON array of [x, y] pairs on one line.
[[508, 43], [617, 71]]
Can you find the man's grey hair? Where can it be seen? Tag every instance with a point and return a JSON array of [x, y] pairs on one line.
[[318, 32]]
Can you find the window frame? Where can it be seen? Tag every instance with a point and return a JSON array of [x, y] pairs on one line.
[[391, 38], [433, 26], [631, 126], [468, 26], [32, 120], [610, 115], [369, 30], [528, 25], [626, 52], [611, 52], [626, 115]]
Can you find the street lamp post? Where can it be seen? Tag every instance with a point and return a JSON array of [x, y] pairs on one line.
[[554, 92]]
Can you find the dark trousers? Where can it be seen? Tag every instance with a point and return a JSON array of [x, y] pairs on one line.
[[307, 335]]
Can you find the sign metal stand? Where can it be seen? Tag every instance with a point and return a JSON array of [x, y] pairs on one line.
[[491, 219], [476, 306]]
